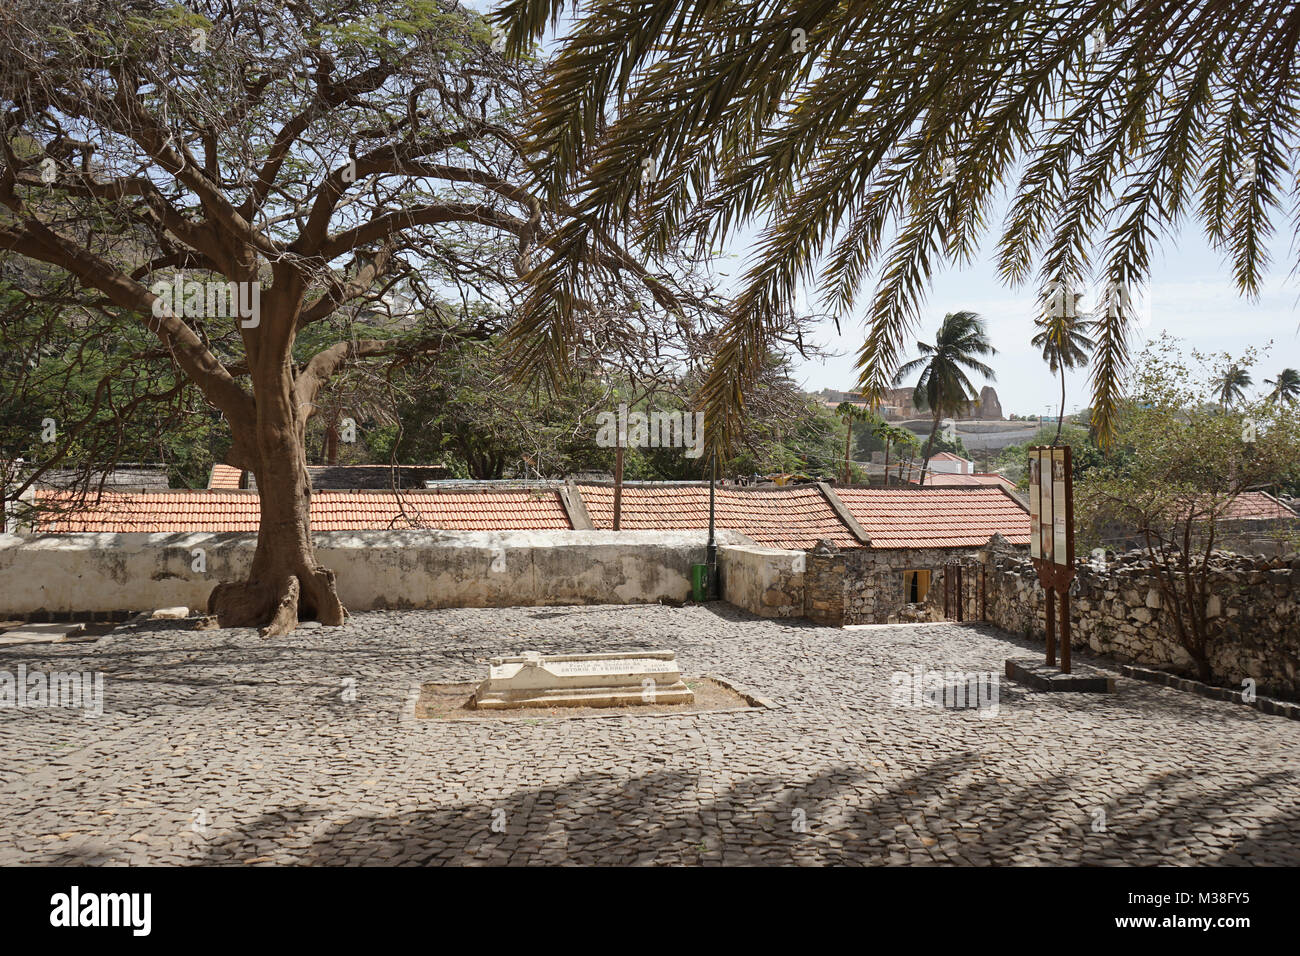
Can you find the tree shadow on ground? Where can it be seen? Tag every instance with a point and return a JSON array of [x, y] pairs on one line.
[[671, 817]]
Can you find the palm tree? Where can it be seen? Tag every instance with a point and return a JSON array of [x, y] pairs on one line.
[[850, 413], [879, 137], [943, 386], [1286, 387], [1232, 385], [1064, 344]]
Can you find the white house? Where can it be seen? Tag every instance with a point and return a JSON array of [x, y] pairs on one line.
[[947, 463]]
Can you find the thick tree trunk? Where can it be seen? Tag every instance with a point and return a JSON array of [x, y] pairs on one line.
[[285, 584]]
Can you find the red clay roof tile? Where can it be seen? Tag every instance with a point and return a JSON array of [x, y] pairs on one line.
[[1254, 505], [793, 518], [936, 517], [940, 479], [221, 510], [224, 476]]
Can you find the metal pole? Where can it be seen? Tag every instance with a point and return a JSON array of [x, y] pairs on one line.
[[1065, 631], [711, 552], [618, 485]]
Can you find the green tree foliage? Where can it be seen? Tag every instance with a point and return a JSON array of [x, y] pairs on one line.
[[1187, 459], [83, 390], [1085, 454], [467, 414], [1286, 387], [1230, 386], [873, 141], [1063, 340]]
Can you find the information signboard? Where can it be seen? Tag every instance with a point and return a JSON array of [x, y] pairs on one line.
[[1051, 505], [1051, 536]]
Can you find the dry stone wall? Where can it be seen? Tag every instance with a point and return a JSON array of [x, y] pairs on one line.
[[1118, 611]]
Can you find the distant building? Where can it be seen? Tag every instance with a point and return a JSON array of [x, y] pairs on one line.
[[946, 463]]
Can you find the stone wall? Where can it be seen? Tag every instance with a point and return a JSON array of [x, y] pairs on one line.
[[764, 581], [1118, 611], [102, 573], [866, 585], [823, 585], [874, 584]]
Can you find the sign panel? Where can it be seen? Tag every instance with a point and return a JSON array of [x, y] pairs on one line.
[[1051, 505], [1035, 509], [1061, 509]]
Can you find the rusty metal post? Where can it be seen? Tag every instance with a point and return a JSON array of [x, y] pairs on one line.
[[1051, 626], [1065, 631]]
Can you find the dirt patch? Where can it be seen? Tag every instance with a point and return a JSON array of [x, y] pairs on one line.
[[451, 702]]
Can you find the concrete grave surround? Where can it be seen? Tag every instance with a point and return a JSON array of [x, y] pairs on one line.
[[583, 680]]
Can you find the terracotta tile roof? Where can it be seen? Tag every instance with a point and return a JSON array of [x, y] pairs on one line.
[[936, 517], [981, 479], [219, 511], [946, 456], [224, 476], [794, 518], [1257, 505]]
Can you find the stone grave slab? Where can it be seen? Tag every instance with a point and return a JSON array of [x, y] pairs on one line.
[[29, 633], [583, 680]]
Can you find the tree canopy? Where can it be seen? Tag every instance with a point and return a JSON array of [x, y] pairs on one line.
[[870, 142]]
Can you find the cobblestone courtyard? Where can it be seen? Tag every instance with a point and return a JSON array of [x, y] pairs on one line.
[[218, 747]]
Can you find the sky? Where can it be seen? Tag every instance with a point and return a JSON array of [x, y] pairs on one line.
[[1191, 295]]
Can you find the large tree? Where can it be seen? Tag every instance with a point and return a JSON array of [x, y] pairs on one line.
[[1184, 461], [311, 154], [870, 140]]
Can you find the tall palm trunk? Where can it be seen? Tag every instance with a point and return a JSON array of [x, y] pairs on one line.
[[1060, 420], [848, 438], [886, 462], [929, 445]]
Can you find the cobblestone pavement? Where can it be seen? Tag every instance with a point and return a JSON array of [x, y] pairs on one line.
[[218, 747]]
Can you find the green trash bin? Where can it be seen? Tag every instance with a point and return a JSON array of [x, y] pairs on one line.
[[699, 582]]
